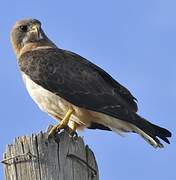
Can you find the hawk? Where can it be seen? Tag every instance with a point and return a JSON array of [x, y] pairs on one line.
[[75, 91]]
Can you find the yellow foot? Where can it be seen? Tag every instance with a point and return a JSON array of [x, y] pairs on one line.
[[63, 124]]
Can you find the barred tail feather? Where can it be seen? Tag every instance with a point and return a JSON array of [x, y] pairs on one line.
[[151, 132], [148, 131]]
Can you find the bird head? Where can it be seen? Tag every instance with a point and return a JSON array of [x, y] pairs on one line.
[[27, 35]]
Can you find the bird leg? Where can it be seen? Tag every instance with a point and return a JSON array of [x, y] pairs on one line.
[[63, 124], [72, 126]]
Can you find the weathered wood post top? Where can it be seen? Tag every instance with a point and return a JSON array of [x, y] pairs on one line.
[[38, 158]]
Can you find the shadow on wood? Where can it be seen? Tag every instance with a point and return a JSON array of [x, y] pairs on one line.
[[40, 158]]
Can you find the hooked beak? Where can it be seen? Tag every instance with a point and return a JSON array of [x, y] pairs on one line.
[[36, 29]]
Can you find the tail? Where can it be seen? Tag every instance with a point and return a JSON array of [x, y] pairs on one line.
[[151, 132], [136, 124]]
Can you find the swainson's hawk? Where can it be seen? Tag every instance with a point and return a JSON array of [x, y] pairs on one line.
[[75, 91]]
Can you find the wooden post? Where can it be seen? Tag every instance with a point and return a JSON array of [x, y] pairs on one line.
[[40, 158]]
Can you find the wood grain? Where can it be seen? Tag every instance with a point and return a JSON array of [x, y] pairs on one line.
[[38, 158]]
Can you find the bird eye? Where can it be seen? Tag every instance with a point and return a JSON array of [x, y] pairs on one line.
[[23, 28]]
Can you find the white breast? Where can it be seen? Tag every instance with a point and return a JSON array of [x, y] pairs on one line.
[[47, 101]]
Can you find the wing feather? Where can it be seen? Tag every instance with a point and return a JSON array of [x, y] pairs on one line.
[[75, 79]]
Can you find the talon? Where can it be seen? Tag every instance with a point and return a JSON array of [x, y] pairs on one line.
[[74, 134], [70, 132], [54, 130]]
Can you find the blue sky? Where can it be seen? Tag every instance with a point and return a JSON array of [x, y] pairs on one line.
[[135, 41]]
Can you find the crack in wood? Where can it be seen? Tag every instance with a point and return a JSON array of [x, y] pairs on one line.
[[84, 162]]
